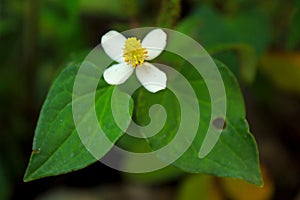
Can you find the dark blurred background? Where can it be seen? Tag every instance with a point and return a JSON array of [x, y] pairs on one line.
[[258, 40]]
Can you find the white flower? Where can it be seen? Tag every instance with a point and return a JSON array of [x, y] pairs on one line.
[[131, 54]]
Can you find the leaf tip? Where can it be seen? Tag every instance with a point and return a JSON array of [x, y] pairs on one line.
[[27, 177]]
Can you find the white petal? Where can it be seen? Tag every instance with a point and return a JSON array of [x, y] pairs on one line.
[[118, 73], [155, 42], [113, 43], [151, 77]]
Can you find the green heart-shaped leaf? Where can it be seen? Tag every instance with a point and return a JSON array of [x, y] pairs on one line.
[[235, 153], [57, 146]]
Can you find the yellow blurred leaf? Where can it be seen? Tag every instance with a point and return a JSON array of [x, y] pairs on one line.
[[199, 187], [283, 69], [240, 190]]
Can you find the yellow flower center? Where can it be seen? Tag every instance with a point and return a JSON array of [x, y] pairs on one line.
[[134, 53]]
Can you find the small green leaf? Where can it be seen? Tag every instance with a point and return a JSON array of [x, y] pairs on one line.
[[57, 146], [206, 24], [237, 31], [234, 155]]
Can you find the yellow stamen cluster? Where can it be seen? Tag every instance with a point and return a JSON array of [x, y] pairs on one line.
[[133, 52]]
